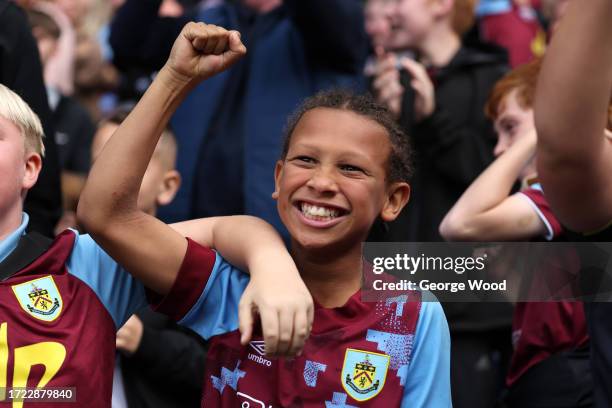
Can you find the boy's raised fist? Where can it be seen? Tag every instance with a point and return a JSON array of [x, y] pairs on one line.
[[203, 50]]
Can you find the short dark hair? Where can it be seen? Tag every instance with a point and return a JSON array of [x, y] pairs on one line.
[[399, 164]]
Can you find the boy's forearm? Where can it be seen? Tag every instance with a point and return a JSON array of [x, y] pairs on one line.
[[245, 241], [493, 186], [108, 208], [574, 85]]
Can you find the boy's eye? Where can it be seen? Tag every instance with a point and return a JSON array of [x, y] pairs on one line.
[[351, 169], [302, 160], [509, 127]]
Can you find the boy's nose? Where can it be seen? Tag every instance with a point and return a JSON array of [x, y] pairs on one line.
[[500, 147], [323, 181]]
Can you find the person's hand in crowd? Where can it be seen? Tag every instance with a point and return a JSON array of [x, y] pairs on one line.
[[129, 335], [203, 50], [425, 97], [279, 296], [387, 87]]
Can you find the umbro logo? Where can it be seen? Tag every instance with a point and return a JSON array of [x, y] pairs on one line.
[[259, 346]]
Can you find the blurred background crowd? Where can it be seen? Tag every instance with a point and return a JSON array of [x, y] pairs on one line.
[[433, 63]]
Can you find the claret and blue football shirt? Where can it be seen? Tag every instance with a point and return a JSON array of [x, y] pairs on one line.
[[59, 315], [58, 319], [391, 353]]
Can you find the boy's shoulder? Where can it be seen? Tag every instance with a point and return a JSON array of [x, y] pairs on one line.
[[35, 251]]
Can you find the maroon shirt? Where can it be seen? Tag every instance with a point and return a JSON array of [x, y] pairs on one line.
[[541, 329], [366, 354], [58, 320]]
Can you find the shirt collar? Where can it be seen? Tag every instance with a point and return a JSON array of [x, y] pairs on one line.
[[8, 244]]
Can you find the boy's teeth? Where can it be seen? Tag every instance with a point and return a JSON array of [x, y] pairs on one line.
[[310, 210]]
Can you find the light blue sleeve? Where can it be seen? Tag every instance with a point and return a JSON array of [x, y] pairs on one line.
[[216, 310], [119, 292], [428, 378], [491, 7]]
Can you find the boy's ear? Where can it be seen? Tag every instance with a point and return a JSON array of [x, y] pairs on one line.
[[278, 171], [397, 196], [33, 165], [169, 187]]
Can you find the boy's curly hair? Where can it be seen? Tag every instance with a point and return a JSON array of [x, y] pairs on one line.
[[399, 164]]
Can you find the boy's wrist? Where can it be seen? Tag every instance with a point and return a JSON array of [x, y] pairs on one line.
[[266, 260], [173, 80]]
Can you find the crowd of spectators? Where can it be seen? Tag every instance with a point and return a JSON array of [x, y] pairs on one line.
[[433, 63]]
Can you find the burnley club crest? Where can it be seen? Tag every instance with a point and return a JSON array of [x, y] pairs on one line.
[[40, 298], [364, 373]]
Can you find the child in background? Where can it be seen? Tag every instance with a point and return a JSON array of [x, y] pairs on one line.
[[344, 164], [546, 369], [62, 302], [438, 98]]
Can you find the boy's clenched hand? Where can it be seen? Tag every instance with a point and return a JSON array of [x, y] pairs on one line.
[[203, 50]]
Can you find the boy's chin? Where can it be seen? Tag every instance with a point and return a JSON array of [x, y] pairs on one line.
[[321, 245]]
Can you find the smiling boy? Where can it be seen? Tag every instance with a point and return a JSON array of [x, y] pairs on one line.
[[344, 164]]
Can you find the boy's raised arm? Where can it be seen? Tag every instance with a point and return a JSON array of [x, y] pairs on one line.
[[486, 211], [571, 113], [153, 251], [108, 205]]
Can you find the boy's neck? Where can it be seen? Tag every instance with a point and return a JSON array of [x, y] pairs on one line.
[[10, 221], [331, 278], [529, 174], [440, 46]]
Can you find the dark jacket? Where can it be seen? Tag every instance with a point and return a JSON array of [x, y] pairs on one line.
[[230, 128], [74, 133], [453, 146], [21, 71], [167, 370]]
